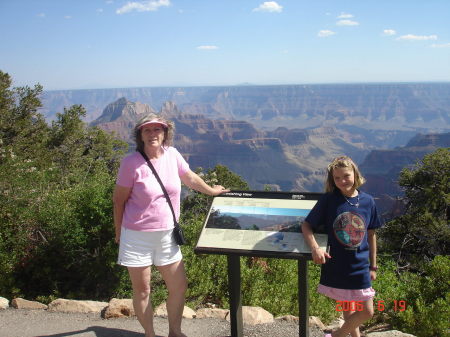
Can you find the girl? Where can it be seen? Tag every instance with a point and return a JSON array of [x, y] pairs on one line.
[[350, 218]]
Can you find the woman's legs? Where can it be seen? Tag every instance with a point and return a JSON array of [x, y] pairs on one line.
[[353, 319], [174, 276], [140, 280]]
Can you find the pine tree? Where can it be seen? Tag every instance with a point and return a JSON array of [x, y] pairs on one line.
[[423, 232]]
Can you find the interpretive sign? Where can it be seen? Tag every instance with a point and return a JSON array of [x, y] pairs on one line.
[[249, 221], [256, 223]]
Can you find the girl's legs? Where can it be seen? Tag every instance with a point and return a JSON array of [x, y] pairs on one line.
[[353, 319], [175, 278], [355, 332], [140, 280]]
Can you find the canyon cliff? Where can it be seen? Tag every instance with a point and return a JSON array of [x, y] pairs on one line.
[[382, 168], [283, 136], [284, 159], [418, 107]]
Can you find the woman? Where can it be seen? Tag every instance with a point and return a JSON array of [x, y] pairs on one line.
[[144, 222]]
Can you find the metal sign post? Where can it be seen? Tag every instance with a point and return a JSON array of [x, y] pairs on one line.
[[235, 297], [303, 300]]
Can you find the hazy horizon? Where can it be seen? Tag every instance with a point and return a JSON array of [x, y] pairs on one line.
[[257, 85]]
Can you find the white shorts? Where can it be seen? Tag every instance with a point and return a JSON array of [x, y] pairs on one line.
[[142, 249]]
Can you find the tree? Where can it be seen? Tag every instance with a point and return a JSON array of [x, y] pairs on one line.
[[423, 232], [23, 134], [22, 129], [56, 182], [197, 203]]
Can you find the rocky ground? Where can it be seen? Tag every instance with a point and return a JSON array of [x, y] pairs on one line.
[[64, 317], [40, 323]]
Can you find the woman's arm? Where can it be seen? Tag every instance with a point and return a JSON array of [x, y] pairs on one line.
[[192, 180], [372, 241], [120, 197], [319, 256]]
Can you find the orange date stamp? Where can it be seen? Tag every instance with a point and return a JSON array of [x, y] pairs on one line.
[[398, 305]]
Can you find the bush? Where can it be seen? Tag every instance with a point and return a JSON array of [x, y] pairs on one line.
[[428, 298], [76, 256], [56, 228]]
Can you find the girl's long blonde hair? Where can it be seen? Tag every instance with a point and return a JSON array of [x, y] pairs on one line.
[[340, 162]]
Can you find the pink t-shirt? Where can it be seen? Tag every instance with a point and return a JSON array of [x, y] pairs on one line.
[[147, 208]]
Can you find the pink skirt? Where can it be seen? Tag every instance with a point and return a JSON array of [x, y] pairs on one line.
[[346, 294]]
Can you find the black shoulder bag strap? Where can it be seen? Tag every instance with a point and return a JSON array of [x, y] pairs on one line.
[[178, 234], [149, 163]]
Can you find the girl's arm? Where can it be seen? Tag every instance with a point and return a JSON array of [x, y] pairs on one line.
[[192, 180], [120, 197], [319, 256], [372, 240]]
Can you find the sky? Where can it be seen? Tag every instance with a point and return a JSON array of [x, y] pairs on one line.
[[88, 44], [263, 210]]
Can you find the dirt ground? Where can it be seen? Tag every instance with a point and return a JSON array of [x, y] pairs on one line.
[[40, 323]]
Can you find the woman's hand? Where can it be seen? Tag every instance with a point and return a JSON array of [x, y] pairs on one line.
[[218, 189]]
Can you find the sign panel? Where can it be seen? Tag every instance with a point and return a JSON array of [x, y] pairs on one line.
[[255, 221]]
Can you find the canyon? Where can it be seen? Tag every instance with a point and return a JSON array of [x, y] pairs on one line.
[[283, 137]]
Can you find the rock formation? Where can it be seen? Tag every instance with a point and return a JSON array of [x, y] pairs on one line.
[[416, 107], [286, 159], [382, 168]]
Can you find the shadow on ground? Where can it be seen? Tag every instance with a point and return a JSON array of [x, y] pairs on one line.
[[100, 331]]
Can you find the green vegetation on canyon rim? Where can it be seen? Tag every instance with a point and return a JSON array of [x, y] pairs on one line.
[[56, 232]]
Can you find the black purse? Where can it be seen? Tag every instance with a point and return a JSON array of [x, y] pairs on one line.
[[177, 232]]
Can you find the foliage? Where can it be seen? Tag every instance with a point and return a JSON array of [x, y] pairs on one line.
[[427, 297], [423, 232], [195, 203], [76, 259], [55, 201], [419, 242]]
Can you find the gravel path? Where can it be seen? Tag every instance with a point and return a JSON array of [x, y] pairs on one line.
[[40, 323]]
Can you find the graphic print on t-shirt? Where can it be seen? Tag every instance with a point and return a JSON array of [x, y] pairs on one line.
[[349, 229]]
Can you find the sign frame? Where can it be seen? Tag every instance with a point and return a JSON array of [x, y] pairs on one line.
[[306, 200]]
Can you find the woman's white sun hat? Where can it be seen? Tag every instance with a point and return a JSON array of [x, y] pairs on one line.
[[153, 121]]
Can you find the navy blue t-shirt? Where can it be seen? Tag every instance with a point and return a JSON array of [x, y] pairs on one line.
[[346, 226]]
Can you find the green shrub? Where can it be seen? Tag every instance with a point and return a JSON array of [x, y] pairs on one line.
[[56, 231], [427, 297], [76, 256]]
